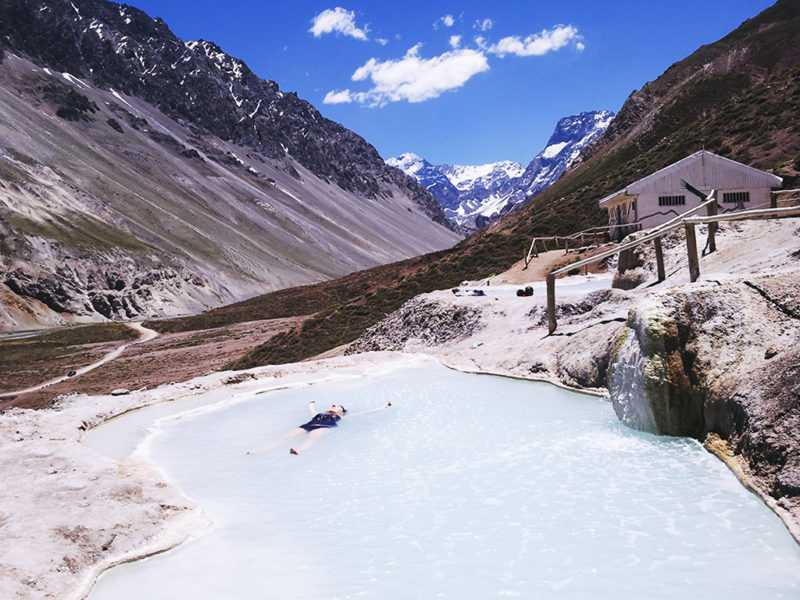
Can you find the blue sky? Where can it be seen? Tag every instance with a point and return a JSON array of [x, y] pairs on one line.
[[468, 102]]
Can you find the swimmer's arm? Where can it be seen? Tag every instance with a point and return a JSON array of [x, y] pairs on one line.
[[370, 411], [312, 408]]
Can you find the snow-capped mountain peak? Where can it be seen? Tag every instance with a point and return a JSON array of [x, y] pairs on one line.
[[465, 177], [572, 135], [408, 162], [473, 195]]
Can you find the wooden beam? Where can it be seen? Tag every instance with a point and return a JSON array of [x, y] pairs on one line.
[[662, 274], [551, 303], [758, 213], [713, 210], [691, 250]]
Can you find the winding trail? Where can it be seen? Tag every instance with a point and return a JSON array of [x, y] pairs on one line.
[[145, 335]]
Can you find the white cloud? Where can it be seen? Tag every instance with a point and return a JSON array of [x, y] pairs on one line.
[[340, 97], [538, 44], [446, 20], [382, 41], [338, 20], [412, 78], [483, 24]]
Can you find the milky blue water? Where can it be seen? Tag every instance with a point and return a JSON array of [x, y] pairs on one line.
[[468, 487]]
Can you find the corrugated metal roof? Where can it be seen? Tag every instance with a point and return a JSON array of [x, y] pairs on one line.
[[712, 165]]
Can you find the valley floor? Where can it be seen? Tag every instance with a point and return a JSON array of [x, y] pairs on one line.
[[168, 358]]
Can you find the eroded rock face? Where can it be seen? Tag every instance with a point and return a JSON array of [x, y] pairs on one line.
[[568, 312], [724, 359], [126, 291], [426, 321], [650, 379], [630, 279]]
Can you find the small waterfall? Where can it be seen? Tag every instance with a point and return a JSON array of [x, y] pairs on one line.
[[650, 381], [627, 385]]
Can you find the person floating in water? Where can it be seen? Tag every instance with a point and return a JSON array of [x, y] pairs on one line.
[[320, 422], [325, 420]]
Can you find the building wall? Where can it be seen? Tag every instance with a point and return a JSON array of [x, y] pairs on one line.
[[704, 171], [652, 214]]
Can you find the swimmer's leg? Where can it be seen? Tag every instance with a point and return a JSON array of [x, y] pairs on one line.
[[297, 431], [310, 440]]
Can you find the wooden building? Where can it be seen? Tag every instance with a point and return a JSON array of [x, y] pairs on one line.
[[662, 195]]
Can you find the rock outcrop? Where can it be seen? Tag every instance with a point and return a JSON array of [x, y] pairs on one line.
[[426, 322], [724, 359]]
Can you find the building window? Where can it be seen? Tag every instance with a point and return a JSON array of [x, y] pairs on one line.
[[735, 197], [671, 200]]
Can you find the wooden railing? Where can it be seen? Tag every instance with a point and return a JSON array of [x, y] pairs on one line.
[[759, 213], [580, 236], [774, 196], [689, 222], [654, 236], [604, 231]]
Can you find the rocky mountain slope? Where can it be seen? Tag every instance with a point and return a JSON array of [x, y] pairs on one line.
[[474, 195], [144, 175]]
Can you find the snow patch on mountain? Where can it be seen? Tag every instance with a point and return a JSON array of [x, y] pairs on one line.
[[553, 150]]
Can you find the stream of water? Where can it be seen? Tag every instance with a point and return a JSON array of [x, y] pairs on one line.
[[467, 487]]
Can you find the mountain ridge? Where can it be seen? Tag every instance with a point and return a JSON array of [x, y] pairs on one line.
[[111, 207], [112, 44], [473, 196]]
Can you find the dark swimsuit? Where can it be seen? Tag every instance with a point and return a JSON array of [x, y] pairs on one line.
[[321, 421]]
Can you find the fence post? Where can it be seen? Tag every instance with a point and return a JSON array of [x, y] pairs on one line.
[[691, 250], [662, 275], [712, 210], [773, 200], [551, 303]]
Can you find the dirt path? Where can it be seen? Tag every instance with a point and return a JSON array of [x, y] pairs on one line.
[[537, 270], [145, 335]]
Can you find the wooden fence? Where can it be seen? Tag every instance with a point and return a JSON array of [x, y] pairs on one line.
[[686, 220]]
